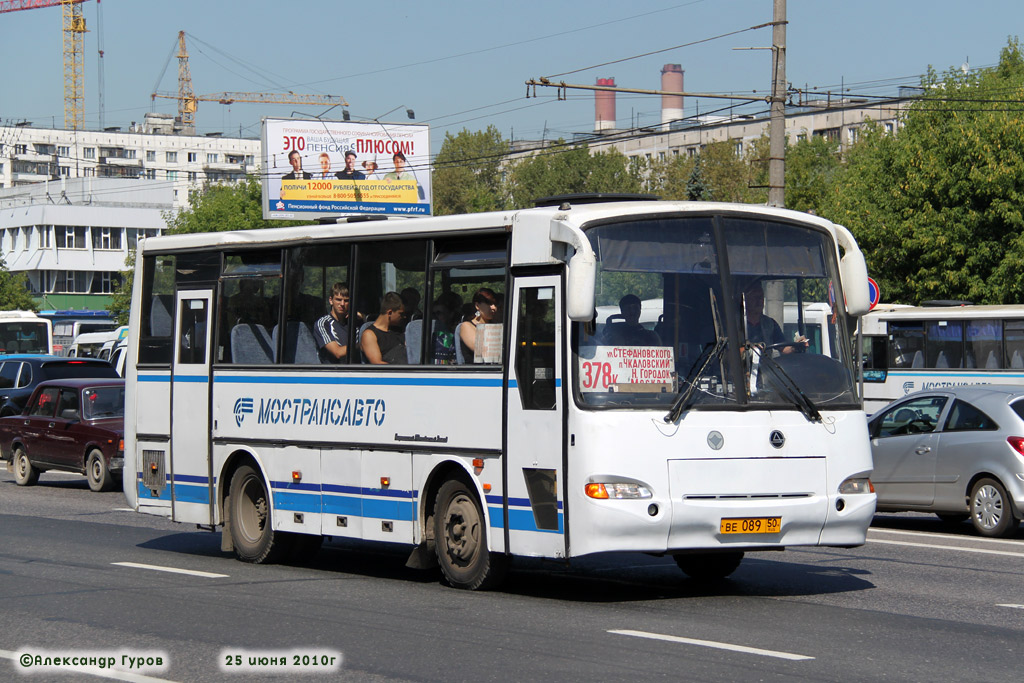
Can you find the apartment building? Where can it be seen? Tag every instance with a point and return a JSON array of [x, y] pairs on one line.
[[154, 150]]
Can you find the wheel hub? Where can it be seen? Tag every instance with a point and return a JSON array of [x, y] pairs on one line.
[[462, 529]]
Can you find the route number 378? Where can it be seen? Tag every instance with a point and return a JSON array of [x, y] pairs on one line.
[[597, 375]]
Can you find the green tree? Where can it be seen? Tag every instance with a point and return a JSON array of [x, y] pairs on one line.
[[564, 169], [467, 174], [938, 206], [697, 187], [811, 169], [14, 291]]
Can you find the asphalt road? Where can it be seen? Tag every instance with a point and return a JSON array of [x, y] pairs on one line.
[[918, 602]]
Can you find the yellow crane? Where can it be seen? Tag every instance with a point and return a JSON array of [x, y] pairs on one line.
[[188, 100], [74, 72]]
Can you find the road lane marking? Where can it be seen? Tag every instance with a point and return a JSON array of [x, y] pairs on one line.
[[981, 539], [94, 671], [981, 551], [713, 644], [173, 570], [1012, 606]]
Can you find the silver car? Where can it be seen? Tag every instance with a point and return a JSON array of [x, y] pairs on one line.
[[957, 452]]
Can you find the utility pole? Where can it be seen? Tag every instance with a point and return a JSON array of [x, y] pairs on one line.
[[777, 120]]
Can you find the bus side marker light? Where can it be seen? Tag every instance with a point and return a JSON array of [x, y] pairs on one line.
[[487, 488], [296, 476], [385, 482]]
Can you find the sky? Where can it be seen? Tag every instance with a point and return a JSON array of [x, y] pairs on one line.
[[460, 64]]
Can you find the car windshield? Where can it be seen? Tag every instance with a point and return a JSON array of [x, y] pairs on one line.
[[666, 294], [100, 402]]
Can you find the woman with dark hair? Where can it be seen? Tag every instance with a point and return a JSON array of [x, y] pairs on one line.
[[485, 303]]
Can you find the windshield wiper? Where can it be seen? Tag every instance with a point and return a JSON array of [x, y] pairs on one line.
[[790, 388], [682, 402]]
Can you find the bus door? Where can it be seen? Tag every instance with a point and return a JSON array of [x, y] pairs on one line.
[[190, 408], [535, 432]]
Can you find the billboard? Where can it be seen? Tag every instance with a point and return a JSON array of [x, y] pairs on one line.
[[314, 168]]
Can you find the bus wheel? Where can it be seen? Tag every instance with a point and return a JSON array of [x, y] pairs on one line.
[[24, 473], [97, 473], [991, 511], [251, 530], [461, 540], [709, 566]]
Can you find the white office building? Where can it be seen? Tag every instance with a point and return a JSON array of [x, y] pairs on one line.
[[72, 236]]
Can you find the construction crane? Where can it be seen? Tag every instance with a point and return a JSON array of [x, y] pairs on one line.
[[74, 72], [188, 100]]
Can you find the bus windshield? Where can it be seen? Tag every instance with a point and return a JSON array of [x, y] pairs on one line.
[[737, 310], [24, 337]]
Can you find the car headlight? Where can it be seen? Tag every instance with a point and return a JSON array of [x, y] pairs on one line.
[[617, 489], [857, 485]]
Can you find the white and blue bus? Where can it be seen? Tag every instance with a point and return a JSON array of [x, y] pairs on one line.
[[910, 348], [555, 441], [25, 332]]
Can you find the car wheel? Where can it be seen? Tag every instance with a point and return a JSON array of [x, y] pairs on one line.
[[991, 509], [460, 540], [24, 473], [709, 566], [252, 532], [97, 473]]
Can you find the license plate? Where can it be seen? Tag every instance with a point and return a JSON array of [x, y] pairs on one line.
[[751, 525]]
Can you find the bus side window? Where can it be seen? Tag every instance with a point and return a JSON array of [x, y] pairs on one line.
[[158, 279], [535, 348]]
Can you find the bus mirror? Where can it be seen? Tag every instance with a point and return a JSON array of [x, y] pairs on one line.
[[854, 272], [582, 270], [580, 280]]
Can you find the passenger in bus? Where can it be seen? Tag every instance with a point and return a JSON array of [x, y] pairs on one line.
[[380, 342], [485, 311], [331, 331], [629, 331], [446, 317], [411, 300], [763, 329]]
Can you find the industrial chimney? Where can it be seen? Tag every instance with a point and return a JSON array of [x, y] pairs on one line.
[[604, 107], [671, 105]]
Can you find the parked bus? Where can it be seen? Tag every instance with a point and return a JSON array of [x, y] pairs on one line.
[[25, 332], [68, 324], [550, 443], [909, 348]]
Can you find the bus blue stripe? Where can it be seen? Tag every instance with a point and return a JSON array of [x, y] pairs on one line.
[[521, 520], [356, 507], [363, 381], [191, 494]]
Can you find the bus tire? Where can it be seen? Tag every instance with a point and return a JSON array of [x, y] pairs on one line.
[[992, 510], [97, 473], [709, 566], [252, 531], [460, 539], [24, 473]]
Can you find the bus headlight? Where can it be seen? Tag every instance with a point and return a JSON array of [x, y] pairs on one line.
[[857, 485], [618, 489]]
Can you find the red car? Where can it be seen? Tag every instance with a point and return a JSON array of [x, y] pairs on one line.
[[70, 425]]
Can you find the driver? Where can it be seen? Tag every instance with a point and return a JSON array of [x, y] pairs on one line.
[[762, 329]]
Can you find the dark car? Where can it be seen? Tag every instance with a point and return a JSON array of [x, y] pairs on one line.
[[19, 376], [73, 425]]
